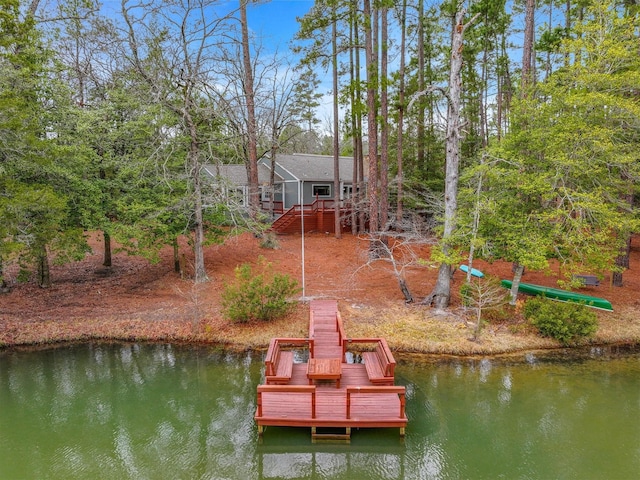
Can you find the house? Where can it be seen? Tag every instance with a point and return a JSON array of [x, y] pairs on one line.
[[232, 180], [299, 179]]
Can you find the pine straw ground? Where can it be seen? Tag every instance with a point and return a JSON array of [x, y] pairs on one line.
[[137, 301]]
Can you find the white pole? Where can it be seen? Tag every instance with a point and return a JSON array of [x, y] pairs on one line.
[[304, 297]]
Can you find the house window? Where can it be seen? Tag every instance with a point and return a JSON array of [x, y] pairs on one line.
[[266, 191], [321, 190]]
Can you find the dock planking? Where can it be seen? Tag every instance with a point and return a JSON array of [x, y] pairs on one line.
[[353, 402]]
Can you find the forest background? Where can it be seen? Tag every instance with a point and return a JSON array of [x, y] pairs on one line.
[[484, 147]]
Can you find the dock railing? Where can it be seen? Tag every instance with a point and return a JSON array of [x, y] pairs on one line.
[[311, 389], [341, 335], [292, 342], [400, 391]]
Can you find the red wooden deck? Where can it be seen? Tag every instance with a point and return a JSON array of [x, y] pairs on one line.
[[356, 403], [319, 216]]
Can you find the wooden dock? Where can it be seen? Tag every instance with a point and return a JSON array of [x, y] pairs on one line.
[[324, 393]]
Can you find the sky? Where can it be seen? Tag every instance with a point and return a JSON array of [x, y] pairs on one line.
[[275, 20], [275, 23]]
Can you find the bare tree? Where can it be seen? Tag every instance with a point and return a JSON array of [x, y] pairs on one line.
[[174, 54], [441, 293], [481, 295], [284, 112], [400, 249], [403, 242]]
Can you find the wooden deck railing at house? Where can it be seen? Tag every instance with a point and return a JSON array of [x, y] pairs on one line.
[[318, 216], [277, 206]]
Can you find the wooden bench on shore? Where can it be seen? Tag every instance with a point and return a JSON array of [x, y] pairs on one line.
[[379, 363], [588, 280], [279, 362]]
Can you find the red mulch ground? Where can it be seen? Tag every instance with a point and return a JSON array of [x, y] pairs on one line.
[[133, 289]]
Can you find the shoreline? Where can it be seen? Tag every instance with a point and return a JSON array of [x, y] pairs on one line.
[[533, 356], [409, 330]]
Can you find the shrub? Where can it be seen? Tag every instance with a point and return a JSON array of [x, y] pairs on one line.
[[466, 294], [269, 241], [566, 322], [252, 297]]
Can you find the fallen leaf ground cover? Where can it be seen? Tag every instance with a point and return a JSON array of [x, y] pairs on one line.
[[138, 301]]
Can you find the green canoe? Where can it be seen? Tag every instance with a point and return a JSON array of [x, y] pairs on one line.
[[561, 295]]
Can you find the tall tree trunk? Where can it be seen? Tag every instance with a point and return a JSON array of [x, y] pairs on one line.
[[354, 125], [518, 271], [508, 84], [44, 273], [33, 7], [272, 176], [547, 63], [567, 27], [336, 133], [107, 260], [360, 193], [420, 155], [176, 256], [401, 107], [274, 152], [252, 141], [441, 293], [372, 127], [482, 96], [622, 260], [527, 48], [504, 88], [384, 114], [200, 273], [4, 288]]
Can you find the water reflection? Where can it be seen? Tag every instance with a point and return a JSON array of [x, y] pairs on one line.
[[160, 411]]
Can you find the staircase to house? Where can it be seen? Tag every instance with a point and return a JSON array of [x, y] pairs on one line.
[[318, 217]]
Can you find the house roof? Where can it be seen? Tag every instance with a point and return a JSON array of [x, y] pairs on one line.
[[298, 166], [236, 174], [315, 167]]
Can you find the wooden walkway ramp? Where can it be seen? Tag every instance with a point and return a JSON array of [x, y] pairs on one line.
[[326, 392]]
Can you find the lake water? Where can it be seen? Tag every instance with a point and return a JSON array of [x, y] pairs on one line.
[[172, 412]]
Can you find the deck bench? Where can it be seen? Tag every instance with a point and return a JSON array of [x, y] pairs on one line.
[[380, 364], [588, 280], [278, 363]]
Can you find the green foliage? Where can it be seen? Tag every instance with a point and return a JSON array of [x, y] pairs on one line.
[[558, 184], [566, 322], [466, 294], [261, 296]]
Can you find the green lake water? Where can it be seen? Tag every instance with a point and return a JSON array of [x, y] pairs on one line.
[[171, 412]]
